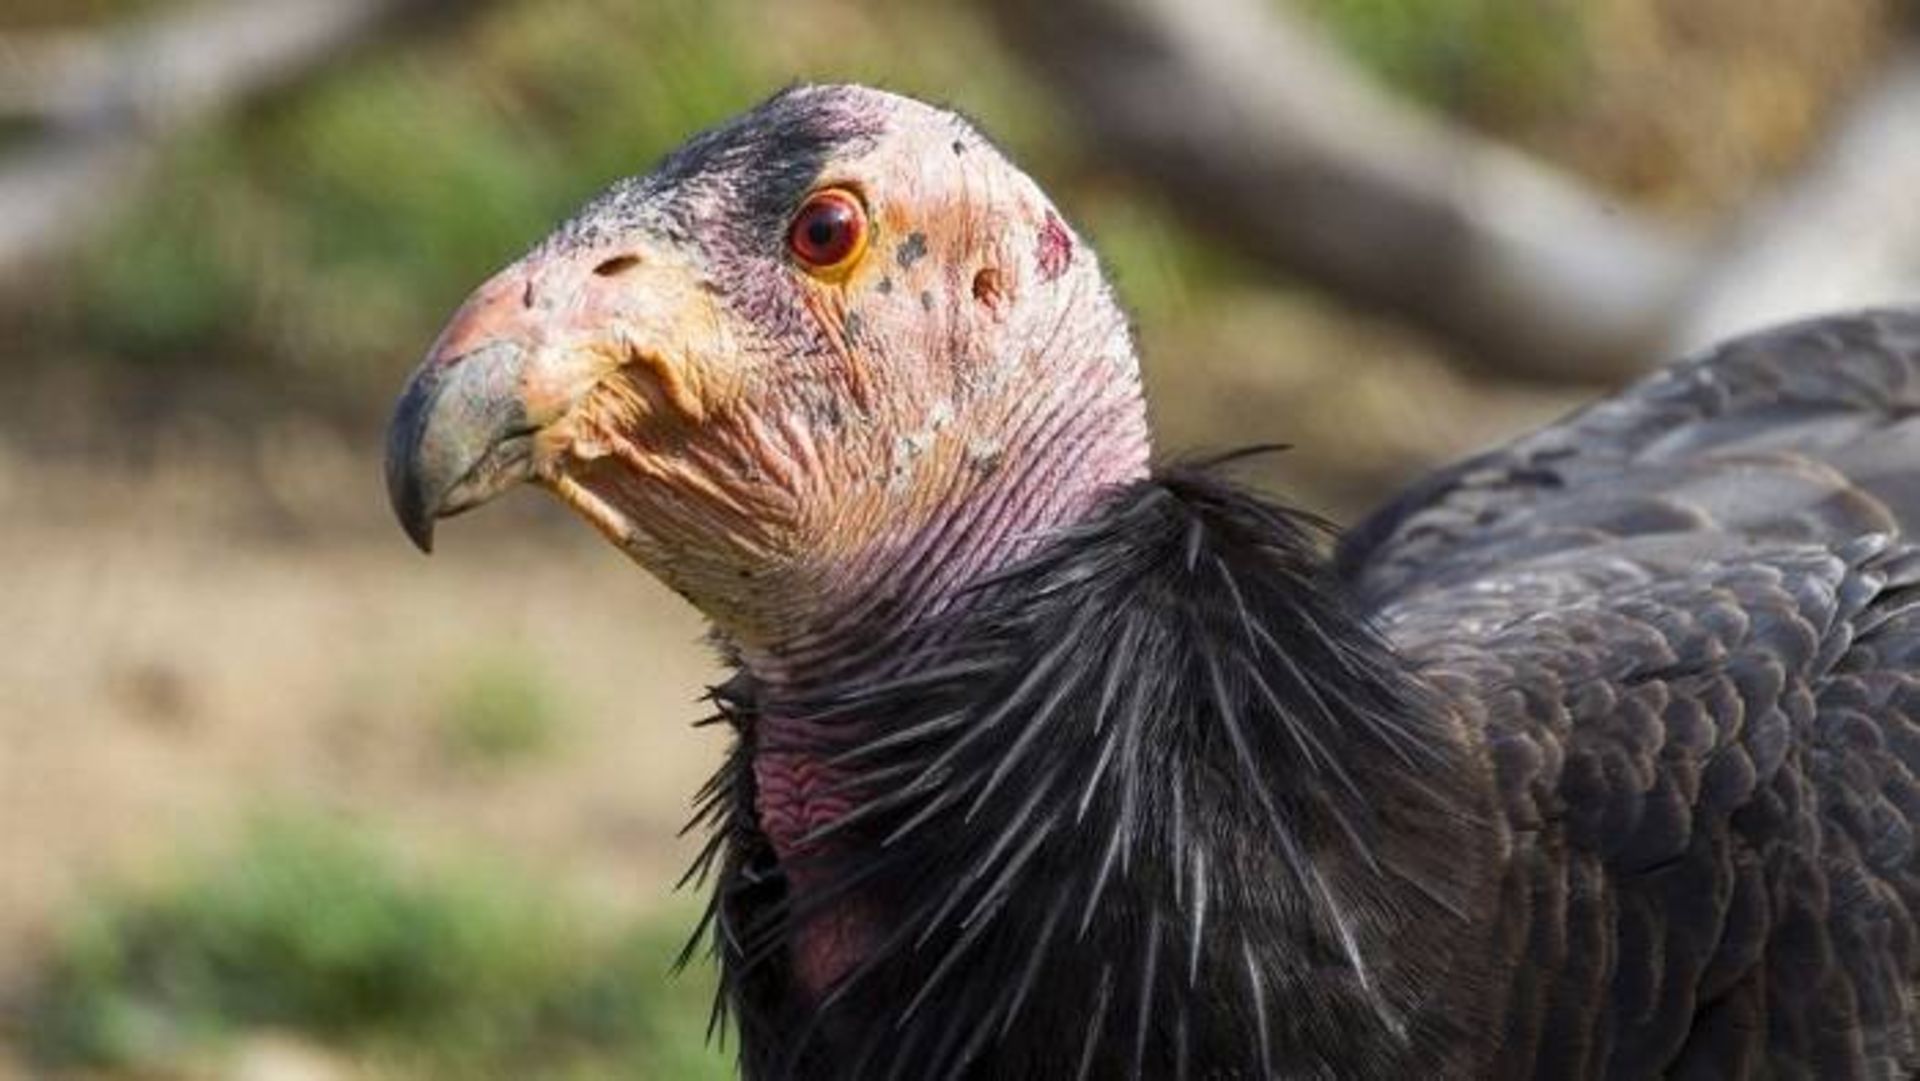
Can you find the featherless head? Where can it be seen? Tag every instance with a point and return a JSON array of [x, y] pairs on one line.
[[788, 363]]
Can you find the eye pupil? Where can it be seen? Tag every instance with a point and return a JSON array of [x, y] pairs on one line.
[[829, 232]]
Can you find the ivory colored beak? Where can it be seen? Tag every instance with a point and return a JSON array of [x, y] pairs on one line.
[[463, 432], [517, 358]]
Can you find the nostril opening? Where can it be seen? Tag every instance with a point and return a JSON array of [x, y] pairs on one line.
[[619, 264]]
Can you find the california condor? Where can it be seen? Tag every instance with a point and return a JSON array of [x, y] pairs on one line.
[[1590, 757]]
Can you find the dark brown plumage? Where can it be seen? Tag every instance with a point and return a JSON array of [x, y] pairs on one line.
[[1592, 757]]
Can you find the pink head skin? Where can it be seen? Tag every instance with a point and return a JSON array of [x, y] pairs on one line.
[[797, 452]]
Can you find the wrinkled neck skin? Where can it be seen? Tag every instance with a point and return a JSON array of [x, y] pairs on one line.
[[1044, 473], [1074, 430], [977, 459]]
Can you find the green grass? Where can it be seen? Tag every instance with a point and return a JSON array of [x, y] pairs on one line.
[[333, 230], [314, 928], [1497, 61], [500, 711], [33, 14], [329, 233]]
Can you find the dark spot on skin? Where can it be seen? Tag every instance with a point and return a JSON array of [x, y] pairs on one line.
[[911, 250], [854, 324], [926, 300], [1055, 248], [822, 412], [745, 573], [959, 148], [886, 286]]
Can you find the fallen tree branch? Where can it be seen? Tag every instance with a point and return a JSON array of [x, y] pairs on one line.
[[39, 70], [49, 195], [1843, 233], [107, 99], [1267, 138]]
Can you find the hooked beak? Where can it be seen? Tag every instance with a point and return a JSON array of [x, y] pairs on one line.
[[522, 351], [496, 399], [462, 433], [459, 437]]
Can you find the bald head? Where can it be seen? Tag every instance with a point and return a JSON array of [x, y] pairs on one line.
[[822, 359]]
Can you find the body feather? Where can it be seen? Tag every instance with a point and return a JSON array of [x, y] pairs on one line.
[[1158, 752]]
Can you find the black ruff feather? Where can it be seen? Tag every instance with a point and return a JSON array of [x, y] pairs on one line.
[[1152, 804]]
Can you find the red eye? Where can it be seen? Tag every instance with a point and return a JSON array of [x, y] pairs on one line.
[[829, 232]]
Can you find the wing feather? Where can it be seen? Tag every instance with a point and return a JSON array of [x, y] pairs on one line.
[[1689, 619]]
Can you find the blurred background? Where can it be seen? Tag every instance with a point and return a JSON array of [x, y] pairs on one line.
[[281, 801]]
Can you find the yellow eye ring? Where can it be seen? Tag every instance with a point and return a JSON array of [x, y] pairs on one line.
[[828, 233]]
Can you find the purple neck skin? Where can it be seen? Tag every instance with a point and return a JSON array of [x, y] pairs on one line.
[[1055, 468]]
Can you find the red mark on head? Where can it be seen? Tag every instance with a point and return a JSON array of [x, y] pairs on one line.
[[1055, 252]]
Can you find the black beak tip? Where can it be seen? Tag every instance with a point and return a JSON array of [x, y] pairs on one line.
[[420, 532], [459, 436], [413, 504]]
